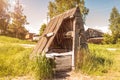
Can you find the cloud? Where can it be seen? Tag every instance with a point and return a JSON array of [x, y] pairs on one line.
[[104, 29]]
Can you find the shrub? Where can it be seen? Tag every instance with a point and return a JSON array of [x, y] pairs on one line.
[[108, 39]]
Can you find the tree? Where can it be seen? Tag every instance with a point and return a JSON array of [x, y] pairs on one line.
[[43, 26], [59, 6], [115, 24], [17, 28], [4, 16]]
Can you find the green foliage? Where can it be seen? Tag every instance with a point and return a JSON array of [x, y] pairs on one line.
[[12, 23], [4, 16], [97, 62], [59, 6], [114, 14], [43, 26], [115, 24], [16, 28], [42, 68], [108, 39]]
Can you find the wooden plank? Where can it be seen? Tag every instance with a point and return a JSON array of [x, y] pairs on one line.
[[35, 51], [55, 31], [53, 26], [55, 21], [58, 26], [41, 41]]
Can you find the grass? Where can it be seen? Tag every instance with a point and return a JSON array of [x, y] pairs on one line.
[[15, 61], [4, 39], [43, 70], [99, 61]]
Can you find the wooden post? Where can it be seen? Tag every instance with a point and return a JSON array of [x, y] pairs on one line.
[[78, 29]]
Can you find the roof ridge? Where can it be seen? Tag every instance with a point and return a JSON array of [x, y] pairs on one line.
[[67, 11]]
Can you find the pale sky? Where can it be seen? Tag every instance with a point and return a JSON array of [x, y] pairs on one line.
[[36, 12]]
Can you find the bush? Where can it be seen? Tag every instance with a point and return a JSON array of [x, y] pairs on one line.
[[108, 39]]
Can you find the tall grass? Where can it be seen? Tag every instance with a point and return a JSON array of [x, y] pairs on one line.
[[14, 60], [43, 69], [97, 61]]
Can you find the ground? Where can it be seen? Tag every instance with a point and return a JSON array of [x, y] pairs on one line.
[[64, 71]]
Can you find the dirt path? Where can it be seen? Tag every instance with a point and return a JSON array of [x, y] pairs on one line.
[[27, 45]]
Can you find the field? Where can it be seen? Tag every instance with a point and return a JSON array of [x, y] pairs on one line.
[[15, 61], [13, 57], [103, 62]]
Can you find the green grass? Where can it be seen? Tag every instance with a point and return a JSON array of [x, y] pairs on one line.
[[99, 61], [109, 68], [4, 39], [43, 68], [15, 61]]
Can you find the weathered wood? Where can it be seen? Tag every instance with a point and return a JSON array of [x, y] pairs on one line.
[[79, 36], [55, 31], [41, 48], [65, 31], [49, 34], [69, 34]]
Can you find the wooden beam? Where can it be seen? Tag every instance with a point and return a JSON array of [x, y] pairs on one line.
[[69, 34]]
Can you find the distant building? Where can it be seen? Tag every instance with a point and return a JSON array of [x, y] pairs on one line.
[[36, 37], [29, 36], [94, 36], [93, 33]]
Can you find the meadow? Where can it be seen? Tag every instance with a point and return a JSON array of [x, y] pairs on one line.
[[15, 60], [103, 61]]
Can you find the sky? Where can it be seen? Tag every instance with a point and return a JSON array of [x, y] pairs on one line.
[[99, 13]]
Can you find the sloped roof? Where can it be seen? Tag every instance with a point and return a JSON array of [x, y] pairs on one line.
[[94, 30], [53, 26]]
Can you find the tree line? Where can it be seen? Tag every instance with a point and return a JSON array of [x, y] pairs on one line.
[[12, 22], [114, 27]]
